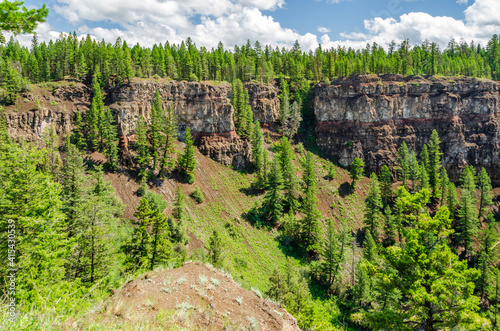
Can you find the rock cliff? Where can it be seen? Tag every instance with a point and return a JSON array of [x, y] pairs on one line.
[[204, 107], [369, 116]]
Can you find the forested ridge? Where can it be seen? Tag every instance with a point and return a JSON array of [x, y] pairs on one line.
[[71, 56]]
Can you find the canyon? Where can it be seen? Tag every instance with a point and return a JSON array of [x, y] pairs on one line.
[[366, 116], [369, 116], [203, 106]]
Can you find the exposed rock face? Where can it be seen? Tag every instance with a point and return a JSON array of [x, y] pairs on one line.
[[204, 107], [369, 116], [45, 106], [264, 101]]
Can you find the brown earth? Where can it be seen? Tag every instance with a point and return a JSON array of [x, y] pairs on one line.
[[194, 296]]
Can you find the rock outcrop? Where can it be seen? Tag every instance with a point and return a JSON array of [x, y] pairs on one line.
[[204, 107], [369, 116], [44, 106]]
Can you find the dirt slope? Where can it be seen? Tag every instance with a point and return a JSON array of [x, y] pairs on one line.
[[194, 296]]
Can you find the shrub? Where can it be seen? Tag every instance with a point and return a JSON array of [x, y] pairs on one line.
[[197, 195]]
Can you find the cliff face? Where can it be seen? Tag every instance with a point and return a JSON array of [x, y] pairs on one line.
[[369, 116], [204, 107], [44, 106]]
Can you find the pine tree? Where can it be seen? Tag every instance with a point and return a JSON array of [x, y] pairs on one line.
[[434, 163], [77, 136], [12, 82], [242, 109], [452, 200], [385, 185], [486, 198], [415, 171], [74, 189], [309, 175], [274, 198], [369, 248], [30, 202], [150, 244], [423, 283], [110, 140], [170, 131], [424, 177], [159, 235], [178, 220], [373, 208], [142, 147], [487, 259], [286, 157], [332, 255], [390, 227], [356, 172], [215, 249], [95, 114], [310, 232], [445, 185], [187, 161], [424, 160], [157, 120], [403, 163], [100, 213], [467, 215], [138, 248]]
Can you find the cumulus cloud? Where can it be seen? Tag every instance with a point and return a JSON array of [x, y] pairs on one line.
[[206, 22], [234, 21], [481, 22]]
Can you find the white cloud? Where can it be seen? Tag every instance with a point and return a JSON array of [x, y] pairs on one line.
[[234, 21], [207, 22], [462, 2], [481, 22], [334, 1]]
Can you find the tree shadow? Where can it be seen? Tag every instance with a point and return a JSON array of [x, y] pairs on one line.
[[251, 191], [345, 189]]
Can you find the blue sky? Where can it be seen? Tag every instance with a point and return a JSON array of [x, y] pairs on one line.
[[332, 23]]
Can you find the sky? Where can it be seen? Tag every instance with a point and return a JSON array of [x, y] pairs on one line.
[[350, 23]]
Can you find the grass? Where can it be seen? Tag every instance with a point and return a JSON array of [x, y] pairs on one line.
[[254, 324], [184, 306], [203, 279], [251, 254]]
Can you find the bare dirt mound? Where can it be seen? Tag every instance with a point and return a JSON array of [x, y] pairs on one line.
[[194, 296]]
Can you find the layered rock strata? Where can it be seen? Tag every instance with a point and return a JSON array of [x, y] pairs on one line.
[[369, 117], [204, 107]]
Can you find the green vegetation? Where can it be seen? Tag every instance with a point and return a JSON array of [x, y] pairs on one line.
[[69, 56], [187, 161], [422, 257]]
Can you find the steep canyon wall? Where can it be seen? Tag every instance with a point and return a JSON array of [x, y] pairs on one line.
[[204, 107], [369, 116]]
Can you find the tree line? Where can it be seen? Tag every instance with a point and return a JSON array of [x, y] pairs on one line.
[[69, 56]]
